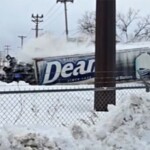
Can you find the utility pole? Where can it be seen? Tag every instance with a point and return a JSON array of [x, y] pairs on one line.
[[22, 39], [66, 18], [2, 58], [37, 19], [105, 54], [7, 48]]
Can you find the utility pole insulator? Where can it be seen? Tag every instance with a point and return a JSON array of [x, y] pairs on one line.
[[37, 19]]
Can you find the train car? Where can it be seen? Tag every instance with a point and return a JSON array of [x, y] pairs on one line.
[[80, 68]]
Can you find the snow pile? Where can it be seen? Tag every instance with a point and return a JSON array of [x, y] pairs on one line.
[[125, 127]]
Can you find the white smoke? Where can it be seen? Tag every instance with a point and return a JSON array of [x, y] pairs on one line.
[[48, 45]]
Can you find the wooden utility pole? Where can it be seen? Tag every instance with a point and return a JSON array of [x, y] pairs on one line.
[[66, 18], [37, 19], [7, 48], [105, 55], [22, 39]]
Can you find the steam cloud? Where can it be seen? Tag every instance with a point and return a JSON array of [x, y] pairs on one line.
[[49, 46]]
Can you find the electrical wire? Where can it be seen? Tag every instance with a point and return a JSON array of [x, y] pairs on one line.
[[49, 11], [52, 14], [53, 19]]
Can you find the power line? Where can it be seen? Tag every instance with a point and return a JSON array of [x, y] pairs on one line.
[[37, 19], [52, 15], [53, 19], [50, 10], [46, 14]]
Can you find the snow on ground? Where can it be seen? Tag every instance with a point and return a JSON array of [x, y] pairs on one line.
[[49, 108], [125, 127]]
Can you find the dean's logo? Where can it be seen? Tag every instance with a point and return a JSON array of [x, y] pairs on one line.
[[55, 70]]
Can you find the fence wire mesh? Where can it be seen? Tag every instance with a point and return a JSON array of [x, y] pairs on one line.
[[57, 106]]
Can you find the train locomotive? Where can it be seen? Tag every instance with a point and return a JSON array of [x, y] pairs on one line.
[[18, 71]]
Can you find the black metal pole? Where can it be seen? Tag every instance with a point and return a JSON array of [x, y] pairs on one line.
[[105, 55]]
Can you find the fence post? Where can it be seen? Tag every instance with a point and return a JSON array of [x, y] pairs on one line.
[[105, 55]]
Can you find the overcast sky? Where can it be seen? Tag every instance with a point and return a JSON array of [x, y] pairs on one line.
[[16, 16]]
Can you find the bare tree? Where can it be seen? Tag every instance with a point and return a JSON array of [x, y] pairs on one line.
[[87, 23], [123, 23], [130, 27]]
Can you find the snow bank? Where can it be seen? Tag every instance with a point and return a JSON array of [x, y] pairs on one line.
[[125, 127]]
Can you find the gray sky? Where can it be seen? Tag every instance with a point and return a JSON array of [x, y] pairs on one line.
[[16, 17]]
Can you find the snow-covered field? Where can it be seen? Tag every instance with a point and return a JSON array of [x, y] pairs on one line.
[[48, 108], [66, 121]]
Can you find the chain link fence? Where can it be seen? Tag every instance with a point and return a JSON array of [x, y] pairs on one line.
[[54, 105]]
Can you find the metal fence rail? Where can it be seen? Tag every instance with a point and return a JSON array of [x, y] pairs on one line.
[[53, 107]]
